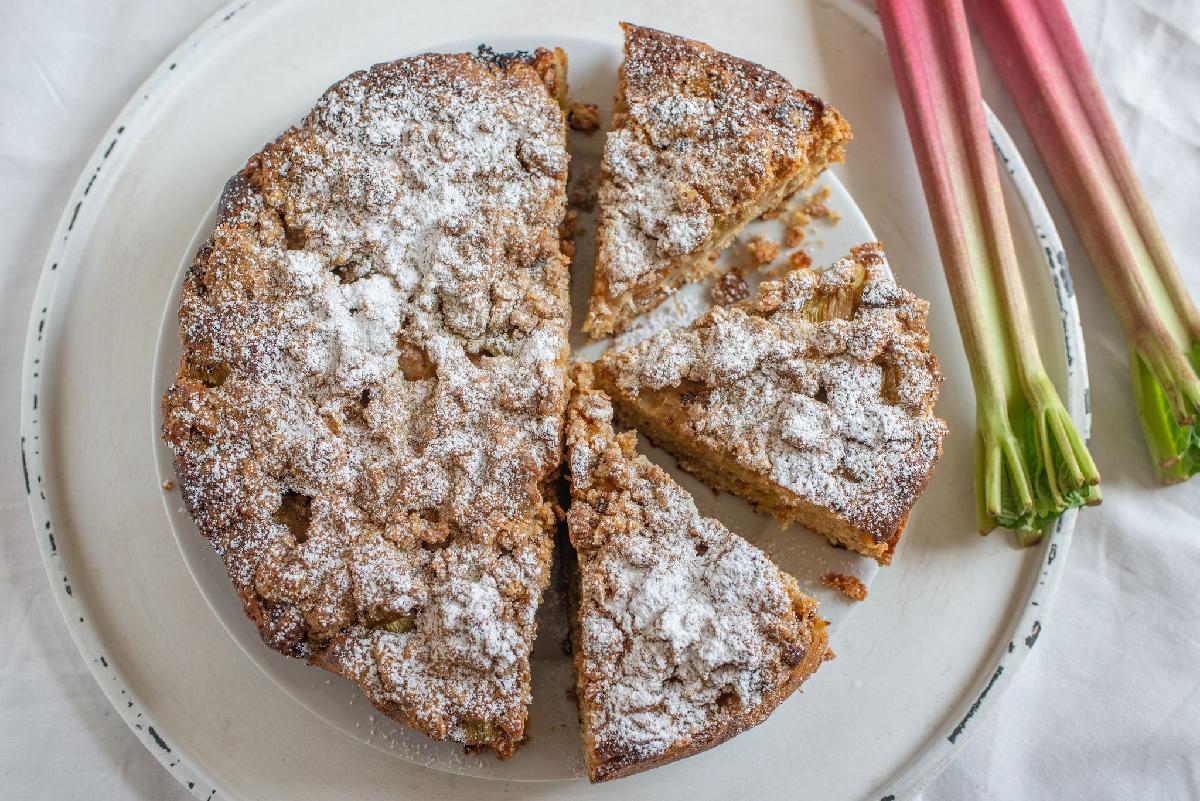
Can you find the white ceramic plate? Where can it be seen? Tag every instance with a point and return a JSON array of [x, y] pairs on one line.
[[945, 627]]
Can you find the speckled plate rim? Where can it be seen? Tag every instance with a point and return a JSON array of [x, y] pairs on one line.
[[124, 699], [906, 783]]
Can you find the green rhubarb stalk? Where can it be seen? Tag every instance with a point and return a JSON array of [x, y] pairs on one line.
[[1031, 465], [1038, 54]]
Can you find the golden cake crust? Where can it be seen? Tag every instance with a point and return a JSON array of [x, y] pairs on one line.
[[683, 634], [814, 399], [367, 415], [701, 143]]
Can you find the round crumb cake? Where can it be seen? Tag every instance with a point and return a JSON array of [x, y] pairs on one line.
[[367, 417]]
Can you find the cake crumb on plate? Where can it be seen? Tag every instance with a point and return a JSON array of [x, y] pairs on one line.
[[850, 586]]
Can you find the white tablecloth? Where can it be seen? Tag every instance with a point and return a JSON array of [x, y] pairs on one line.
[[1108, 704]]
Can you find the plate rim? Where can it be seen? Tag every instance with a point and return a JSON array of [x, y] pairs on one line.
[[961, 721], [122, 696]]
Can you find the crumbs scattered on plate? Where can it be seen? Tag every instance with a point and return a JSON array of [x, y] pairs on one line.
[[850, 586]]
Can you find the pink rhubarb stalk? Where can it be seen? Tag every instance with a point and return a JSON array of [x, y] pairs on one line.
[[1038, 54], [1031, 463]]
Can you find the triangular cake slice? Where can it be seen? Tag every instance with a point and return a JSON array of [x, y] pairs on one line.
[[813, 400], [683, 633], [701, 144], [368, 412]]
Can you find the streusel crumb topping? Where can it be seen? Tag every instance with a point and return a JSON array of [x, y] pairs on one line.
[[369, 406], [683, 627], [823, 382], [701, 133]]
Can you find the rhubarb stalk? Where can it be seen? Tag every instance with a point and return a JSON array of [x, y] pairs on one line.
[[1038, 54], [1030, 463]]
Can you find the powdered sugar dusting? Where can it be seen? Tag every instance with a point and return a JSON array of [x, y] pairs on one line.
[[695, 143], [370, 402], [684, 628], [698, 138], [835, 410]]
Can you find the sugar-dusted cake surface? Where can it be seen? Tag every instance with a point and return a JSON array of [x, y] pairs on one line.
[[702, 143], [367, 417], [684, 634], [814, 399]]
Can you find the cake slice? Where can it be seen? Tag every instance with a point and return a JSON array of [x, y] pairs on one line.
[[367, 418], [701, 144], [683, 633], [813, 400]]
